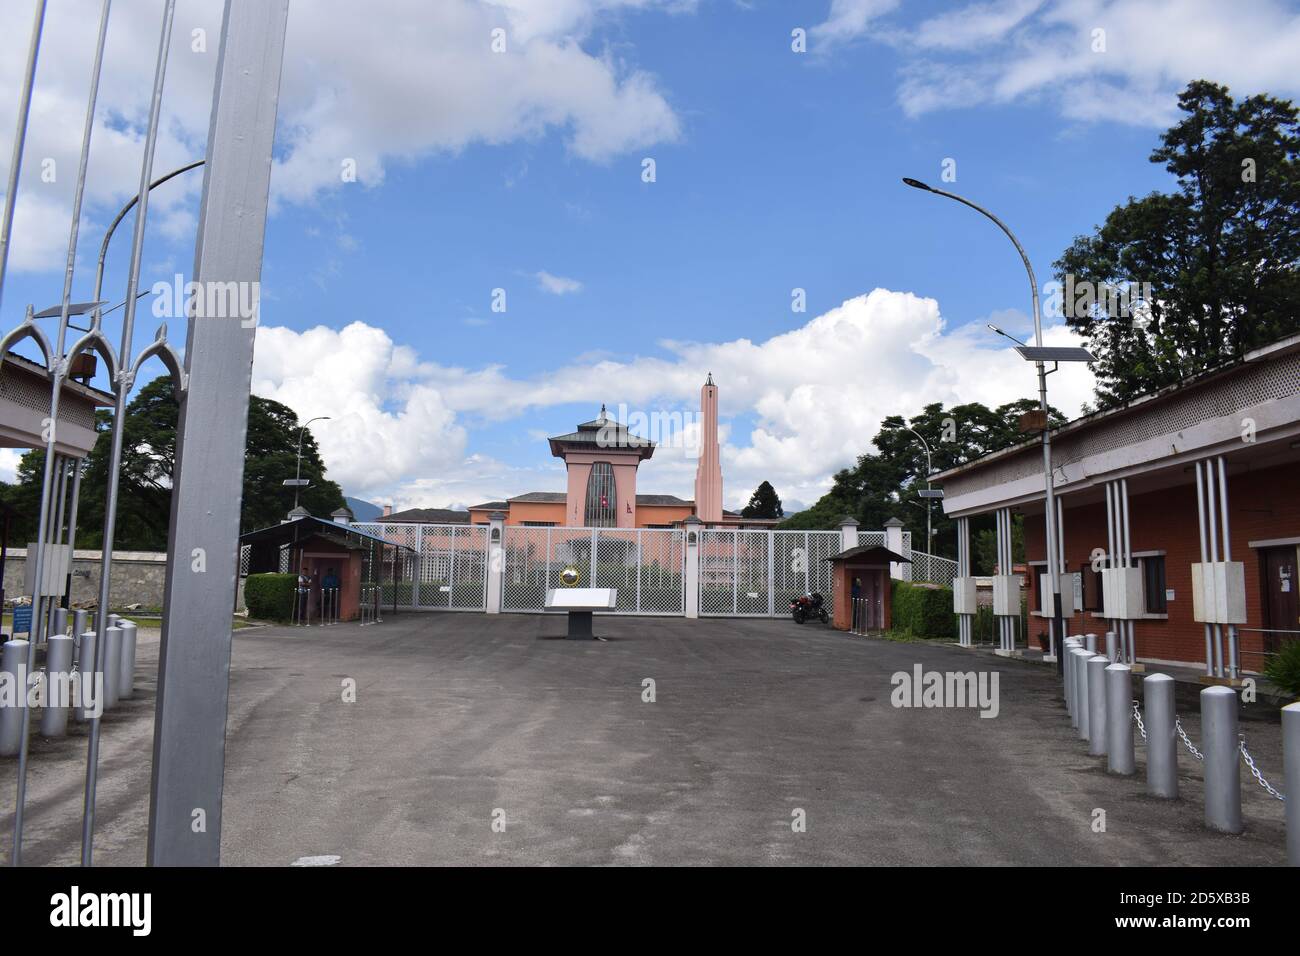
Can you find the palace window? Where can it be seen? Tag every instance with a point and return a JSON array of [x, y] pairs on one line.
[[601, 503]]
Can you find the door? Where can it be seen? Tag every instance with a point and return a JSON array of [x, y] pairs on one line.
[[1281, 596]]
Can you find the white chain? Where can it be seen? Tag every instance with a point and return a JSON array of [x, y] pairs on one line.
[[1250, 762], [1137, 715]]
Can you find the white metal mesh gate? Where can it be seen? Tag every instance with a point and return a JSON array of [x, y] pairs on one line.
[[447, 572], [756, 573], [644, 565]]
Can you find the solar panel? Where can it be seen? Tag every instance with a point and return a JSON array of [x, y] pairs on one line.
[[1049, 353]]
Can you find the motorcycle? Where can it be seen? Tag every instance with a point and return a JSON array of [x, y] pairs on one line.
[[808, 606]]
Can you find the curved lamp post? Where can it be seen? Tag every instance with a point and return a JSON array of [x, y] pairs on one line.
[[297, 475], [1038, 355]]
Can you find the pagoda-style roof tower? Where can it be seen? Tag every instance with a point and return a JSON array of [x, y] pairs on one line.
[[601, 434]]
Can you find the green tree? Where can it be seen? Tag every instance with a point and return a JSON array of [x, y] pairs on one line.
[[883, 484], [148, 462], [1220, 254], [763, 503]]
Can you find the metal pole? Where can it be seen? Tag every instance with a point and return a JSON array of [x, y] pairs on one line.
[[1222, 759], [1227, 557], [1162, 740], [20, 138], [1291, 776], [1200, 517], [122, 387], [194, 657], [1119, 724], [1097, 705], [58, 370], [1081, 707]]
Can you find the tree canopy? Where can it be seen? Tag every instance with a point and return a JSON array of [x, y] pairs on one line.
[[148, 462], [883, 484], [763, 503], [1217, 258]]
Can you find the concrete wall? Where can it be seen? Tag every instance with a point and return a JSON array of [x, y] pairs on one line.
[[137, 576]]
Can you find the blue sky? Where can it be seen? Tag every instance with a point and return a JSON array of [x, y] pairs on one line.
[[775, 170]]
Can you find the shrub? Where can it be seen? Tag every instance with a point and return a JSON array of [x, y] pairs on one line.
[[1283, 669], [270, 596], [923, 611]]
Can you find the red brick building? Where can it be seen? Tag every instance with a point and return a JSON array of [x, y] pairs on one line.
[[1156, 474]]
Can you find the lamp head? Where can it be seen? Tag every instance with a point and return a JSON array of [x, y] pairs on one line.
[[917, 184]]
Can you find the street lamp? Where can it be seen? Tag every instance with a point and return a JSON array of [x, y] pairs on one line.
[[297, 481], [929, 540], [1039, 356]]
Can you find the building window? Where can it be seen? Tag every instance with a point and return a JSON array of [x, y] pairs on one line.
[[538, 524], [601, 504], [1153, 584]]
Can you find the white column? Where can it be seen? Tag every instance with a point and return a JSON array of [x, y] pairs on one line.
[[496, 569], [849, 533], [692, 571], [894, 542]]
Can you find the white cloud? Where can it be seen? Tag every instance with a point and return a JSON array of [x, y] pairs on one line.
[[369, 82], [849, 19], [1005, 51], [9, 459], [815, 395], [557, 285]]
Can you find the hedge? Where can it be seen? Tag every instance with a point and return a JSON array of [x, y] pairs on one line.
[[270, 596], [923, 611]]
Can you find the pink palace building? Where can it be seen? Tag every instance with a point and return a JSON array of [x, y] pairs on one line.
[[602, 459]]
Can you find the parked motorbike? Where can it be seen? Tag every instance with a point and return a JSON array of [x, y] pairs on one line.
[[809, 606]]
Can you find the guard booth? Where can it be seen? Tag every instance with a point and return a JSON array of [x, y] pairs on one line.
[[320, 548], [863, 571]]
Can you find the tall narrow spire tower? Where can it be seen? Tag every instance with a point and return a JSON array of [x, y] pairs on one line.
[[708, 472]]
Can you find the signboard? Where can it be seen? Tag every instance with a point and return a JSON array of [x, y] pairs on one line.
[[23, 619]]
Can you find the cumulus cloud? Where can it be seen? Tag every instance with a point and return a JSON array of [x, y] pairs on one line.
[[1113, 60], [365, 84], [814, 396]]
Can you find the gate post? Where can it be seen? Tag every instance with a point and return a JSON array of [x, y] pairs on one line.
[[894, 542], [692, 573], [496, 565], [849, 533], [194, 652]]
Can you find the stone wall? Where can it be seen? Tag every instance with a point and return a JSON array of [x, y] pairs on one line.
[[137, 577]]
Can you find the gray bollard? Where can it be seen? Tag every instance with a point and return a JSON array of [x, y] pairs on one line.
[[86, 675], [80, 622], [1085, 717], [1097, 705], [1067, 671], [59, 621], [1222, 759], [1119, 724], [58, 685], [126, 674], [1291, 779], [112, 664], [1111, 653], [1066, 647], [1090, 642], [13, 661], [1079, 669], [1162, 738]]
